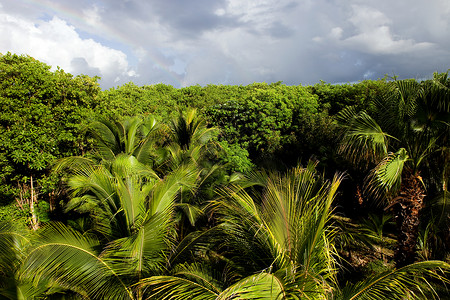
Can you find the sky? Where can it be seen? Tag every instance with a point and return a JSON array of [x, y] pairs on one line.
[[231, 42]]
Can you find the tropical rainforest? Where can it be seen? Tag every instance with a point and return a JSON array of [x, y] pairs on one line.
[[263, 191]]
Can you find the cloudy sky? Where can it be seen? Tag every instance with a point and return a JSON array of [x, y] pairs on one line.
[[181, 42]]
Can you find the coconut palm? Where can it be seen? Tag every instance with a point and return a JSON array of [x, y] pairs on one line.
[[408, 127], [134, 136], [408, 282], [130, 204], [132, 214], [280, 238], [15, 244], [190, 141], [131, 208], [189, 138]]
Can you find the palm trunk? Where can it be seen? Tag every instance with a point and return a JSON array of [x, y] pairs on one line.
[[410, 203]]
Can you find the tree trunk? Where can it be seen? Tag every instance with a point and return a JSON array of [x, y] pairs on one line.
[[410, 203], [33, 199]]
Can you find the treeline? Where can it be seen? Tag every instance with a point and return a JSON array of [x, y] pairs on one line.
[[45, 116], [219, 192]]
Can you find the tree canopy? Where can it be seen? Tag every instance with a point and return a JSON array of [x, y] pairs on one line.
[[264, 191]]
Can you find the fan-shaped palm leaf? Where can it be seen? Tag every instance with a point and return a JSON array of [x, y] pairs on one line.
[[386, 177], [363, 140]]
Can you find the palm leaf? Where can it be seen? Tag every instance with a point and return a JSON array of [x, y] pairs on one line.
[[259, 286], [107, 138], [289, 222], [440, 90], [74, 164], [131, 137], [363, 139], [12, 243], [145, 152], [194, 242], [165, 191], [142, 253], [192, 281], [71, 260], [13, 246], [127, 165], [386, 177], [398, 283]]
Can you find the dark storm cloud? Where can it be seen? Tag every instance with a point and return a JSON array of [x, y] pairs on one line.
[[193, 16], [233, 41], [185, 19]]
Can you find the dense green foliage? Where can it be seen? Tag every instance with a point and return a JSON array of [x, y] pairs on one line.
[[155, 192], [263, 118], [42, 118], [335, 97]]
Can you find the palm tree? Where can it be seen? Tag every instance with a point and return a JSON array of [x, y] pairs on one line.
[[135, 136], [130, 205], [140, 140], [277, 243], [132, 213], [282, 234], [409, 124], [190, 141], [280, 238], [189, 138]]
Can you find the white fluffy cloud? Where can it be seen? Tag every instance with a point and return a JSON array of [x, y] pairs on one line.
[[58, 44], [375, 36]]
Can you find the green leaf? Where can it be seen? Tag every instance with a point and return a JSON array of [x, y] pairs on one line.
[[409, 281]]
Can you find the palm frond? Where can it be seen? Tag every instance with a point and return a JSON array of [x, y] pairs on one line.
[[440, 89], [131, 129], [164, 191], [259, 286], [107, 138], [74, 164], [22, 289], [289, 221], [12, 243], [146, 151], [142, 252], [408, 91], [190, 281], [409, 281], [127, 165], [132, 136], [386, 177], [363, 139], [191, 211], [194, 242], [71, 260]]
